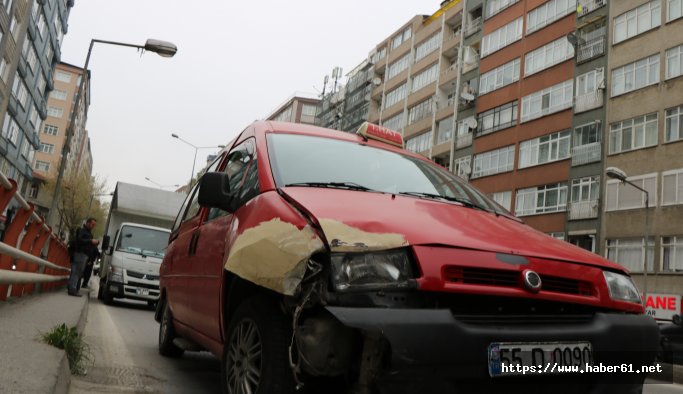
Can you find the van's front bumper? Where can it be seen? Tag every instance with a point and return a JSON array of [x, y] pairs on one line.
[[435, 342], [134, 291]]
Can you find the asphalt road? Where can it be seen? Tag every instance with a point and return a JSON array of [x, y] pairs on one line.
[[123, 340]]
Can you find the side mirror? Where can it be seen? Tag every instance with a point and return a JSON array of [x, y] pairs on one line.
[[109, 251], [214, 191], [105, 242], [677, 320]]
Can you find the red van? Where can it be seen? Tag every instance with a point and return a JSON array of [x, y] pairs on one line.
[[306, 255]]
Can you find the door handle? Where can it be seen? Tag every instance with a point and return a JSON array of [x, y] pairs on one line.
[[193, 243]]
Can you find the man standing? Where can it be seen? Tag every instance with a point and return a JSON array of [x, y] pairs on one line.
[[93, 255], [84, 245]]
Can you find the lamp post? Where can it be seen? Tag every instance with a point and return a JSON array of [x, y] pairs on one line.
[[162, 48], [196, 148], [160, 186], [616, 173]]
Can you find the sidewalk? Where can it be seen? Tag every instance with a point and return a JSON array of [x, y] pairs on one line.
[[28, 365]]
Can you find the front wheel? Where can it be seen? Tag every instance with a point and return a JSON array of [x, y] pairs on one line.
[[255, 354], [166, 335]]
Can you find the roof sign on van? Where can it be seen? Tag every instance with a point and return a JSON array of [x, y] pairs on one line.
[[372, 131]]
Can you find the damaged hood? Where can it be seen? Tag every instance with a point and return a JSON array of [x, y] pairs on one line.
[[355, 220]]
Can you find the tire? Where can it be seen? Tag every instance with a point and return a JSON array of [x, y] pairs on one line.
[[166, 335], [107, 297], [100, 290], [152, 305], [260, 328]]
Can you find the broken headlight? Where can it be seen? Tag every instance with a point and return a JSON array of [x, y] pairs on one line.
[[386, 269], [621, 287]]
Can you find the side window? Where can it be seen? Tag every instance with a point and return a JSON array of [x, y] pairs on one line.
[[191, 205], [241, 168], [181, 213], [194, 207]]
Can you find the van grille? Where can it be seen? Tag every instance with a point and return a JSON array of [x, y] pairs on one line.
[[141, 275], [506, 278]]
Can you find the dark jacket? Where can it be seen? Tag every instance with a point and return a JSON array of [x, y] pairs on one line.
[[84, 241]]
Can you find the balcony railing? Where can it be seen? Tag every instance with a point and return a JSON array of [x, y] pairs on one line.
[[588, 6], [463, 140], [584, 154], [583, 210], [450, 68], [473, 26], [588, 101], [593, 45]]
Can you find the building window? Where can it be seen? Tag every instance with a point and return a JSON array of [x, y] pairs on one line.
[[47, 148], [544, 149], [548, 13], [58, 94], [463, 166], [401, 38], [396, 95], [309, 110], [398, 66], [499, 77], [420, 143], [587, 134], [50, 129], [428, 46], [394, 123], [502, 37], [378, 55], [10, 130], [33, 191], [541, 199], [633, 133], [674, 124], [493, 7], [589, 88], [672, 187], [630, 253], [42, 166], [284, 116], [585, 189], [55, 112], [497, 118], [32, 59], [504, 199], [494, 162], [34, 119], [675, 10], [674, 62], [13, 27], [62, 76], [3, 70], [635, 75], [672, 253], [20, 91], [547, 56], [420, 111], [637, 20], [622, 196], [40, 86], [547, 101], [8, 6], [425, 77]]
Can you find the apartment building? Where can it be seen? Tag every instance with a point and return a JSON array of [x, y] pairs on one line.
[[644, 138], [298, 108], [346, 105], [30, 50], [53, 134]]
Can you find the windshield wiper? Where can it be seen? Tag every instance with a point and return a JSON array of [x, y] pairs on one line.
[[334, 185], [464, 201]]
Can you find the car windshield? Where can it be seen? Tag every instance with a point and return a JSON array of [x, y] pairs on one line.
[[301, 160], [143, 241]]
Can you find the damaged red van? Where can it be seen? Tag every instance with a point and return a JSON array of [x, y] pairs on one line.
[[314, 259]]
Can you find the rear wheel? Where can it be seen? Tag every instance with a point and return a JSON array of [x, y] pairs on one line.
[[167, 334], [256, 352]]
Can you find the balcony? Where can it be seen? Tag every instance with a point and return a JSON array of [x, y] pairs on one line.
[[463, 140], [473, 26], [588, 101], [588, 6], [443, 136], [592, 45], [584, 154], [583, 210]]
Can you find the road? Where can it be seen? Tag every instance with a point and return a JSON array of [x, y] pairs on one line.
[[123, 338]]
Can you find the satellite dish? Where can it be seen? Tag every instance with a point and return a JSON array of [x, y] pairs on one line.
[[376, 81], [467, 96], [470, 122], [466, 169]]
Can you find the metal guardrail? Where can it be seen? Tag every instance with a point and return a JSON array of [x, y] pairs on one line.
[[25, 238]]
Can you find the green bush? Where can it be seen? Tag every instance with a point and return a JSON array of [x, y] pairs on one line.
[[77, 350]]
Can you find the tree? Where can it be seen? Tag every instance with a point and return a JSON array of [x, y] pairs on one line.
[[77, 201]]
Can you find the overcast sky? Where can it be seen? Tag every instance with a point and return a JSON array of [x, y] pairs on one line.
[[236, 62]]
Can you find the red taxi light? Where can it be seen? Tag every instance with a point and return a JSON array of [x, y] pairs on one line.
[[379, 133]]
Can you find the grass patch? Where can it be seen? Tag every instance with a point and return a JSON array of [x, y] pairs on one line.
[[77, 350]]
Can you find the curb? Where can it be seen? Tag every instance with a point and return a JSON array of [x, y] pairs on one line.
[[64, 373]]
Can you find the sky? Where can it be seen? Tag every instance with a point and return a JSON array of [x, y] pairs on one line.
[[237, 61]]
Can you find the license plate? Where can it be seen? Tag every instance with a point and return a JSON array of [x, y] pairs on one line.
[[141, 291], [537, 358]]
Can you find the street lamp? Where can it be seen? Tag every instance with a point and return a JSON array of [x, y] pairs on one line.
[[616, 173], [162, 48], [196, 148], [160, 186]]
